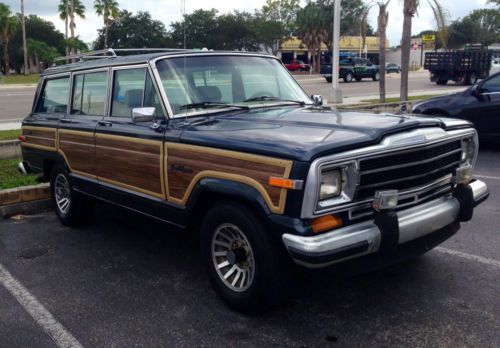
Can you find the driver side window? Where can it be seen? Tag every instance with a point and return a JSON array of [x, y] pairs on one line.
[[492, 85]]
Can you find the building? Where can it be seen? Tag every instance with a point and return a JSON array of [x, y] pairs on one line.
[[293, 48]]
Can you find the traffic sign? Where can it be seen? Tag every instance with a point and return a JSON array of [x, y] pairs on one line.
[[428, 38]]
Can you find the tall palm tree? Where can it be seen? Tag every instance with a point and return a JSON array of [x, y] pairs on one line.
[[8, 25], [108, 9], [382, 21], [68, 9], [25, 49], [410, 8]]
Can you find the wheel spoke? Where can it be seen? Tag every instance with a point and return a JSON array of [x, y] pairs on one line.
[[231, 271], [220, 253], [222, 244], [223, 264], [236, 277], [243, 278]]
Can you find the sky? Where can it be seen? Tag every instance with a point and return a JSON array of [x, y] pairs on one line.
[[170, 11]]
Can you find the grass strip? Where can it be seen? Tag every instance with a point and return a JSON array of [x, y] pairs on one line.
[[10, 177], [397, 99], [10, 134], [19, 79]]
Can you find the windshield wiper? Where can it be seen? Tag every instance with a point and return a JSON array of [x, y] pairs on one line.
[[209, 104], [269, 98]]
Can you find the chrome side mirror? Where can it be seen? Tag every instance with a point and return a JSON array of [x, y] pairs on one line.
[[317, 99], [146, 114]]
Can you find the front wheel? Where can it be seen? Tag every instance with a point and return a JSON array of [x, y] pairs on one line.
[[72, 208], [376, 76], [246, 268], [328, 79], [348, 77]]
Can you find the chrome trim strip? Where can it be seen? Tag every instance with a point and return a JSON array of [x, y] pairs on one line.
[[393, 144]]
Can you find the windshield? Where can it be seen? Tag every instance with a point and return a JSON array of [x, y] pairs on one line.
[[202, 82]]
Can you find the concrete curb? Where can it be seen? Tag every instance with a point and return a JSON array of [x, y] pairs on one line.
[[24, 199], [10, 149]]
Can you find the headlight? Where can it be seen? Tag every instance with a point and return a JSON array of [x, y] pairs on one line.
[[331, 184], [469, 151]]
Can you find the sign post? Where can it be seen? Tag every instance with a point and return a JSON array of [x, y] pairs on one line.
[[336, 92]]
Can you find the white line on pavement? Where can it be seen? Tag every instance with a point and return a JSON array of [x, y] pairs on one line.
[[487, 177], [480, 259], [61, 336]]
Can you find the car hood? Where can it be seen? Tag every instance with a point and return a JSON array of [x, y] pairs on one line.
[[445, 102], [298, 133]]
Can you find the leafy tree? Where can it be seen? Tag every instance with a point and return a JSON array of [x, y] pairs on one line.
[[481, 26], [282, 11], [68, 9], [311, 27], [200, 28], [8, 26], [236, 31], [39, 52], [134, 30], [410, 8], [269, 33], [109, 10], [36, 29]]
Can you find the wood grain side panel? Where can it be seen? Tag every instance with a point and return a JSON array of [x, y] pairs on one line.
[[130, 164], [187, 164], [44, 138], [78, 148]]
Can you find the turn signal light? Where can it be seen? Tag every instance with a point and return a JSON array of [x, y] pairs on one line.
[[325, 223], [22, 138], [286, 183]]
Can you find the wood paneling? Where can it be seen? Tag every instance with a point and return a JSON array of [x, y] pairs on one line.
[[187, 164], [131, 163], [78, 148], [40, 137]]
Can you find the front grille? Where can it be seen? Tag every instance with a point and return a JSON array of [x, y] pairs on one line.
[[408, 170]]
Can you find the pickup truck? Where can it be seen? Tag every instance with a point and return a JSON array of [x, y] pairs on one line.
[[297, 65], [229, 146], [352, 69]]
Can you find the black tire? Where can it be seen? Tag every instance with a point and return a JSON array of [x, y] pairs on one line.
[[376, 76], [78, 208], [348, 77], [269, 281], [328, 79], [442, 82], [471, 79]]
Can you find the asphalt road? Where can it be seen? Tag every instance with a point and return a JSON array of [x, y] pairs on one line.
[[15, 103], [124, 280]]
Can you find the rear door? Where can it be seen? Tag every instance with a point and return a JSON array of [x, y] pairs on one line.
[[129, 156], [77, 128]]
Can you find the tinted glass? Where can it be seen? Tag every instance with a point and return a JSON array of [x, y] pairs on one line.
[[89, 94], [151, 98], [128, 91], [54, 97], [492, 85]]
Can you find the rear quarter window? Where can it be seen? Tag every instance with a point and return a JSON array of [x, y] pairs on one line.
[[54, 96]]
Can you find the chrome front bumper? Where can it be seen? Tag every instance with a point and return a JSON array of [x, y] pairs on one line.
[[365, 238]]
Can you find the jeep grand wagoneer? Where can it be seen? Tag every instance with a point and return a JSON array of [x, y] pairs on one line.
[[229, 144]]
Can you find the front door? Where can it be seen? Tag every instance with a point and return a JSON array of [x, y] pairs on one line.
[[129, 156]]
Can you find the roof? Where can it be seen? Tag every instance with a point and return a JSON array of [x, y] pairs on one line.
[[106, 61]]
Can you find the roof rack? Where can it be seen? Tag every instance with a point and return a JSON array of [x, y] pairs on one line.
[[111, 53]]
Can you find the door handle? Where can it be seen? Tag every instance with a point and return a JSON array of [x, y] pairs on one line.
[[105, 123], [65, 120]]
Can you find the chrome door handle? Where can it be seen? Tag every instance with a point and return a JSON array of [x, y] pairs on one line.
[[105, 123]]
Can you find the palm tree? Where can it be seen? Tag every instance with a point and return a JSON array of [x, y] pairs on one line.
[[410, 8], [108, 9], [8, 24], [312, 24], [25, 50], [68, 9], [382, 21]]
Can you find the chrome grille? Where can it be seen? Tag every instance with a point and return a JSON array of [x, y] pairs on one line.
[[411, 169]]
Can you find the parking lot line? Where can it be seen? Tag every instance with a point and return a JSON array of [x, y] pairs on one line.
[[61, 336], [476, 258], [487, 177]]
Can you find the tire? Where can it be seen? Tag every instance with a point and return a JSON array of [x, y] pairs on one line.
[[348, 77], [471, 79], [72, 208], [235, 245], [328, 79], [442, 82], [376, 76]]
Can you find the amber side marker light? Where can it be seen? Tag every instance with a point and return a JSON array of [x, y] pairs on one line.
[[286, 183], [325, 223]]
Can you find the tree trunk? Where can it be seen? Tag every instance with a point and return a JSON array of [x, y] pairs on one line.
[[106, 27], [318, 59], [5, 57], [72, 26], [37, 63], [409, 11], [25, 50], [383, 18]]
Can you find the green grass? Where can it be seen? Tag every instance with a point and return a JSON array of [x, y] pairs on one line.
[[19, 79], [10, 134], [10, 177], [396, 99]]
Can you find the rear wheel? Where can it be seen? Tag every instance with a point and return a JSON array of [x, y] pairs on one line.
[[471, 79], [247, 270], [376, 76], [328, 79], [348, 77], [72, 208]]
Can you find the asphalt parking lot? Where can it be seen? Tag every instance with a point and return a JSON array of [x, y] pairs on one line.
[[125, 280]]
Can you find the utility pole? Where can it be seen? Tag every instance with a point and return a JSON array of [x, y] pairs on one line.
[[336, 92], [25, 49]]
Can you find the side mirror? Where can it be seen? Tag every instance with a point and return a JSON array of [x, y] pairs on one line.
[[476, 91], [143, 114], [317, 99]]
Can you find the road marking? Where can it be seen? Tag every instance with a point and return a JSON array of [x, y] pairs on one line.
[[487, 177], [61, 336], [477, 258]]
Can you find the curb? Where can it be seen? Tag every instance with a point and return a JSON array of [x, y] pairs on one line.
[[24, 199], [10, 149]]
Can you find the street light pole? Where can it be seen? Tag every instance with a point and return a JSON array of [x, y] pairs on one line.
[[336, 93]]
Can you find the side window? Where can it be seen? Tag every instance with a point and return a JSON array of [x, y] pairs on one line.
[[128, 91], [54, 96], [492, 85], [151, 98], [89, 94]]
